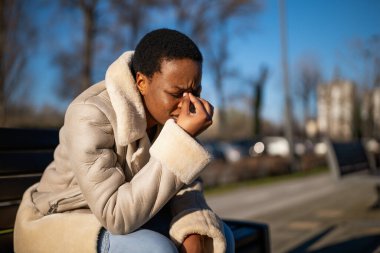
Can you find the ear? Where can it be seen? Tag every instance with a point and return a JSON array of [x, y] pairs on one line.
[[142, 82]]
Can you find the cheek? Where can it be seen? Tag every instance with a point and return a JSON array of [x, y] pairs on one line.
[[170, 104], [165, 101]]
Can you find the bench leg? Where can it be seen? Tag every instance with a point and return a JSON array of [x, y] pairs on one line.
[[376, 205]]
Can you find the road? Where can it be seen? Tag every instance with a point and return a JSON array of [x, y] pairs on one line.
[[312, 214]]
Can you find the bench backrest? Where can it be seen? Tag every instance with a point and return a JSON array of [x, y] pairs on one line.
[[24, 154], [346, 158]]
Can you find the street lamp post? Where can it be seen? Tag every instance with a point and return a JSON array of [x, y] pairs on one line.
[[288, 120]]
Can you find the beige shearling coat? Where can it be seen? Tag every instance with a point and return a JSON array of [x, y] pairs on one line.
[[106, 173]]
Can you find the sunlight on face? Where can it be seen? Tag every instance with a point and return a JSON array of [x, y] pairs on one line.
[[164, 91]]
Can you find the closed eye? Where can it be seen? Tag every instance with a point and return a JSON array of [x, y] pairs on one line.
[[177, 95]]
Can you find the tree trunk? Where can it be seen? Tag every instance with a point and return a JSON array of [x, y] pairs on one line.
[[89, 36], [221, 100], [2, 62], [306, 115], [256, 110]]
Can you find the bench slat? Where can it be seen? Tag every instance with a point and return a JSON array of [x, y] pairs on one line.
[[24, 155], [20, 162], [6, 242], [8, 216], [12, 188], [350, 153], [21, 139], [244, 236], [345, 158], [249, 236]]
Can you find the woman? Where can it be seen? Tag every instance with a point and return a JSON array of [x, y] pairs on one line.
[[124, 175]]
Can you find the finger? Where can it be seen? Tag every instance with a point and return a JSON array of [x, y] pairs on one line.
[[197, 103], [209, 108], [185, 108], [211, 111]]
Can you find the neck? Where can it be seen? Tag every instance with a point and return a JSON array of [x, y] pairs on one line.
[[150, 121], [151, 128]]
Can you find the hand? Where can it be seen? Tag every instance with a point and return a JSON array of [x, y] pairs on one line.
[[193, 244], [197, 119]]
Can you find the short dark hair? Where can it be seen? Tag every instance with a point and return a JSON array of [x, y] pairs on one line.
[[159, 45]]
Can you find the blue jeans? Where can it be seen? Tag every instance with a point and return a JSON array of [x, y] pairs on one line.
[[153, 237]]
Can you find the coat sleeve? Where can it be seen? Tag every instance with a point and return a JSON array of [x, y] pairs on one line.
[[192, 215], [120, 206]]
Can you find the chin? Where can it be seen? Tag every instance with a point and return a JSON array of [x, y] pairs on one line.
[[174, 118]]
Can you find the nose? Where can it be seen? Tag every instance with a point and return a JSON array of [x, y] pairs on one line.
[[180, 103]]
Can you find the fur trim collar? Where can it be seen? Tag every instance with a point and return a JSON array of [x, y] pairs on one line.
[[126, 100]]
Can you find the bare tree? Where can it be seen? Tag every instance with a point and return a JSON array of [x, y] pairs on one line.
[[254, 102], [88, 9], [102, 34], [370, 51], [132, 19], [196, 19], [309, 75], [17, 36], [210, 24], [258, 87], [218, 64], [76, 63], [366, 63]]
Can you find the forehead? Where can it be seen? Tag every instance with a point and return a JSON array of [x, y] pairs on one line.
[[181, 73]]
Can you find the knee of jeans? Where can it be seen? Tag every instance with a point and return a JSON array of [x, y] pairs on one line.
[[162, 244]]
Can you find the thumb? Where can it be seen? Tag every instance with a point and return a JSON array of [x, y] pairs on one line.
[[185, 109]]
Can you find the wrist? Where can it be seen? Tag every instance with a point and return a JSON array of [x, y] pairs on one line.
[[193, 243]]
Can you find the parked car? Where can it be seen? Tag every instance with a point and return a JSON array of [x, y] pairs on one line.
[[214, 148], [238, 149], [276, 145]]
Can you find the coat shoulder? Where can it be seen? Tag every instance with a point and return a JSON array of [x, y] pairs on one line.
[[95, 97]]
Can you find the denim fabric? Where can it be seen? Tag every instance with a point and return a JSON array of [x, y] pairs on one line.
[[152, 237], [140, 241]]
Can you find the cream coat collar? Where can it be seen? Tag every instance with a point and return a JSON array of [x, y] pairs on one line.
[[126, 100]]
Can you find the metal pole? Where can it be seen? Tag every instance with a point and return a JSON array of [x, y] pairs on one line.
[[288, 120]]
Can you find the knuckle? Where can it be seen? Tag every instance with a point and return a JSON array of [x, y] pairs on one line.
[[204, 117]]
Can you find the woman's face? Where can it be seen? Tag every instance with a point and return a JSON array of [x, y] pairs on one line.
[[163, 93]]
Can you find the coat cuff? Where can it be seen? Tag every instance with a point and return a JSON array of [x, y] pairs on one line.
[[203, 222], [179, 152]]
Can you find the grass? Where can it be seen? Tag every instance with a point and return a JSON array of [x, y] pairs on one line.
[[264, 181]]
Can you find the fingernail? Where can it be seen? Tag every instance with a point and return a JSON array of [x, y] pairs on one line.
[[185, 94]]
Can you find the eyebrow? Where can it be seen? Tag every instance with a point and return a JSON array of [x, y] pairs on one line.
[[178, 88]]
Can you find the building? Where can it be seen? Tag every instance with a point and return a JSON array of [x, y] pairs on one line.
[[376, 112], [335, 104]]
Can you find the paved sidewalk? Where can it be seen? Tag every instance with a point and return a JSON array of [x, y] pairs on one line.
[[312, 214]]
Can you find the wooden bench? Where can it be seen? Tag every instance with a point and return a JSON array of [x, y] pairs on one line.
[[351, 158], [348, 158], [25, 153]]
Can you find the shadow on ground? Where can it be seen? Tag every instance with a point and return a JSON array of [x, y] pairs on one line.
[[363, 244]]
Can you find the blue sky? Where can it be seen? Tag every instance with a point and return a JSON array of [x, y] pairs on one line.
[[323, 28]]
